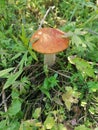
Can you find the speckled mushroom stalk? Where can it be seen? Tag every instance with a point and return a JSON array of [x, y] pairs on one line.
[[50, 41]]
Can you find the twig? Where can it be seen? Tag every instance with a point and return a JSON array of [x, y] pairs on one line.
[[91, 31], [80, 119], [60, 73], [93, 63], [42, 21], [4, 100], [16, 68]]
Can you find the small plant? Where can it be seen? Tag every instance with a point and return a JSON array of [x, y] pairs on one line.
[[70, 97], [49, 83]]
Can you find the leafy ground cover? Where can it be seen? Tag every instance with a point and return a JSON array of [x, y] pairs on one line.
[[37, 97]]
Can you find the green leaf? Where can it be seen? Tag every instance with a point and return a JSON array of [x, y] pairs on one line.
[[15, 94], [70, 97], [46, 92], [30, 125], [33, 54], [14, 125], [16, 56], [76, 40], [82, 127], [83, 66], [23, 60], [49, 83], [24, 38], [12, 79], [92, 110], [49, 122], [19, 47], [62, 127], [2, 124], [5, 72], [2, 3], [15, 107], [67, 101], [37, 113], [93, 86]]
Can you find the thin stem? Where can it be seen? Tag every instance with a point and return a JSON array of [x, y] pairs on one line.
[[4, 100], [42, 21]]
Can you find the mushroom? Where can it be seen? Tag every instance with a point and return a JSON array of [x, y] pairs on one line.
[[49, 41]]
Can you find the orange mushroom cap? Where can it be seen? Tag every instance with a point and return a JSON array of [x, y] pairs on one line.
[[49, 40]]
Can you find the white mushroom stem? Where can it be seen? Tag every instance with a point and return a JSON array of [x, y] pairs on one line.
[[49, 59]]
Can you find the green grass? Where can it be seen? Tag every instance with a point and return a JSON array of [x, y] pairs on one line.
[[34, 97]]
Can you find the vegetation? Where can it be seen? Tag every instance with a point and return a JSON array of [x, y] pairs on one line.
[[37, 97]]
